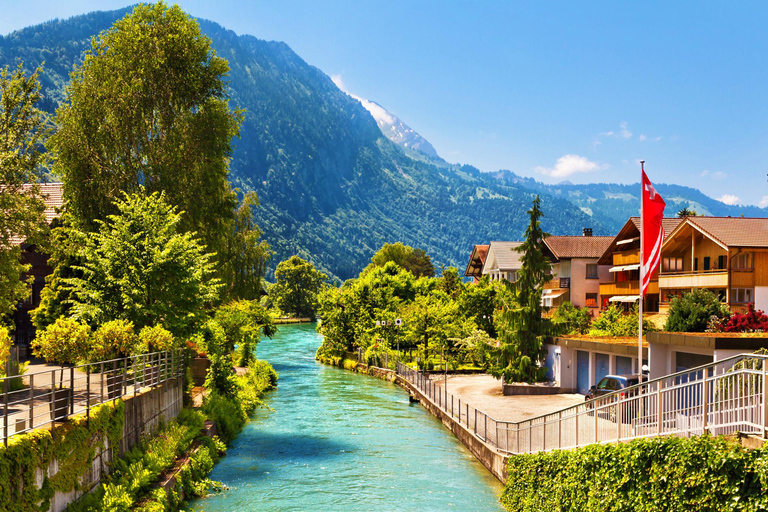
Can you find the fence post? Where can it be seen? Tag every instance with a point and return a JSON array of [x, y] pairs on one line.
[[577, 428], [101, 380], [72, 390], [485, 427], [659, 409], [124, 391], [88, 394], [5, 411], [618, 419], [544, 436], [53, 397], [765, 400], [559, 429], [597, 413], [704, 402], [31, 401]]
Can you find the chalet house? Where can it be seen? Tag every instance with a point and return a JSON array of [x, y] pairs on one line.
[[728, 255], [503, 261], [24, 331], [623, 259], [575, 269], [476, 262]]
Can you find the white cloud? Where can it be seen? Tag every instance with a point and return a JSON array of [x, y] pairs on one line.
[[657, 139], [764, 202], [379, 113], [717, 175], [625, 133], [704, 173], [570, 164], [728, 199], [642, 137]]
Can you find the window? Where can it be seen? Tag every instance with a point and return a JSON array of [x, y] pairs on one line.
[[672, 264], [591, 301], [742, 261], [741, 295], [706, 263], [591, 271], [721, 262]]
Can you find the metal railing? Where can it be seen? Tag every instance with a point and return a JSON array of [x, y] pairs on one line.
[[720, 398], [41, 398]]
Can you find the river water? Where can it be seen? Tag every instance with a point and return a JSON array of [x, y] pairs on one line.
[[339, 441]]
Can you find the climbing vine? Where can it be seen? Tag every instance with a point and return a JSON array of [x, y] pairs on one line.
[[73, 445]]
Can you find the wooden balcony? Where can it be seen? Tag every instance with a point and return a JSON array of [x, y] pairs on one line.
[[626, 288], [630, 257], [700, 279]]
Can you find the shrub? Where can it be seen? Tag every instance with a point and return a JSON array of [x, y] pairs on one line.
[[111, 340], [228, 413], [694, 311], [155, 339], [64, 341], [569, 319], [672, 474], [614, 322], [754, 320]]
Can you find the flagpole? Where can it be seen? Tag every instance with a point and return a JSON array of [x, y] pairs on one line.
[[640, 287]]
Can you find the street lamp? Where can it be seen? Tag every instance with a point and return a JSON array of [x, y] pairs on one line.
[[388, 323]]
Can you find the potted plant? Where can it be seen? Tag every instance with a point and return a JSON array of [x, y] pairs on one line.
[[63, 342]]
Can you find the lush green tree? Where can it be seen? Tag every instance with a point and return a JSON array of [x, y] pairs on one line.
[[614, 321], [140, 268], [111, 340], [430, 321], [480, 301], [245, 257], [297, 284], [693, 311], [686, 212], [413, 260], [570, 319], [478, 345], [450, 282], [243, 322], [147, 110], [22, 132], [520, 325]]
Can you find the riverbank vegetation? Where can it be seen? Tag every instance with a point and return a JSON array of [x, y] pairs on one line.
[[668, 473]]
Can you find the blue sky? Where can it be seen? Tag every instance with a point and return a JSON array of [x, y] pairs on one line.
[[575, 91]]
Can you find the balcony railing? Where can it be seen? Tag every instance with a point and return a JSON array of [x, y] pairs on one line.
[[696, 279]]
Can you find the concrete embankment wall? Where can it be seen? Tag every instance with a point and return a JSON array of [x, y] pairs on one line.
[[143, 413]]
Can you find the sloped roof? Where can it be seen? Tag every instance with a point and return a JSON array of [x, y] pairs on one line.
[[504, 255], [632, 229], [734, 231], [564, 247], [476, 261], [668, 224], [52, 195]]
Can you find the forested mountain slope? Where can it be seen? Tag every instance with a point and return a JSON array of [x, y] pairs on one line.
[[333, 189]]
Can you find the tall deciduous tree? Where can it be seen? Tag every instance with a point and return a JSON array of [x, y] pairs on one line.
[[520, 325], [139, 267], [245, 258], [22, 132], [147, 110], [297, 284], [413, 260]]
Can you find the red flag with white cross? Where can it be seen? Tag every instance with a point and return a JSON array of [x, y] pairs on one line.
[[652, 233]]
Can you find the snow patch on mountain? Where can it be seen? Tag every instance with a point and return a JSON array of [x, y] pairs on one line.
[[391, 125]]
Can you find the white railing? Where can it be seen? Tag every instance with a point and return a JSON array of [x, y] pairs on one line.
[[38, 399], [720, 398]]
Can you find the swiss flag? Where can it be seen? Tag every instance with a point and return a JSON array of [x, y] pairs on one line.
[[653, 234]]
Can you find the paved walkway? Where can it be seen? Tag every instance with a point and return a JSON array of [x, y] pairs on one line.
[[483, 392]]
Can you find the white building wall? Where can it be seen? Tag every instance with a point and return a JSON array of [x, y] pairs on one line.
[[761, 297]]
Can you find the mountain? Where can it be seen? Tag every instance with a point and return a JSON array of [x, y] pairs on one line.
[[332, 187]]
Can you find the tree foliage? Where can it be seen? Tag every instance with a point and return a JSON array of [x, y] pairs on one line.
[[520, 324], [415, 261], [245, 257], [297, 284], [570, 319], [22, 132], [147, 110], [694, 310], [140, 268], [64, 341]]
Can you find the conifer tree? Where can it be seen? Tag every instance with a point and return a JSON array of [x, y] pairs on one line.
[[521, 327]]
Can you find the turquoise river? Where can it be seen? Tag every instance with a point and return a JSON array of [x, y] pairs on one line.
[[340, 441]]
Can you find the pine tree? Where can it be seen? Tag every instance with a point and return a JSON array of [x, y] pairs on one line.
[[521, 327]]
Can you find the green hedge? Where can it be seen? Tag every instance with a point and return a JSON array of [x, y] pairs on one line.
[[671, 474]]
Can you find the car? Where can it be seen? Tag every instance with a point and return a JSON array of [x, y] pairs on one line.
[[611, 383]]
